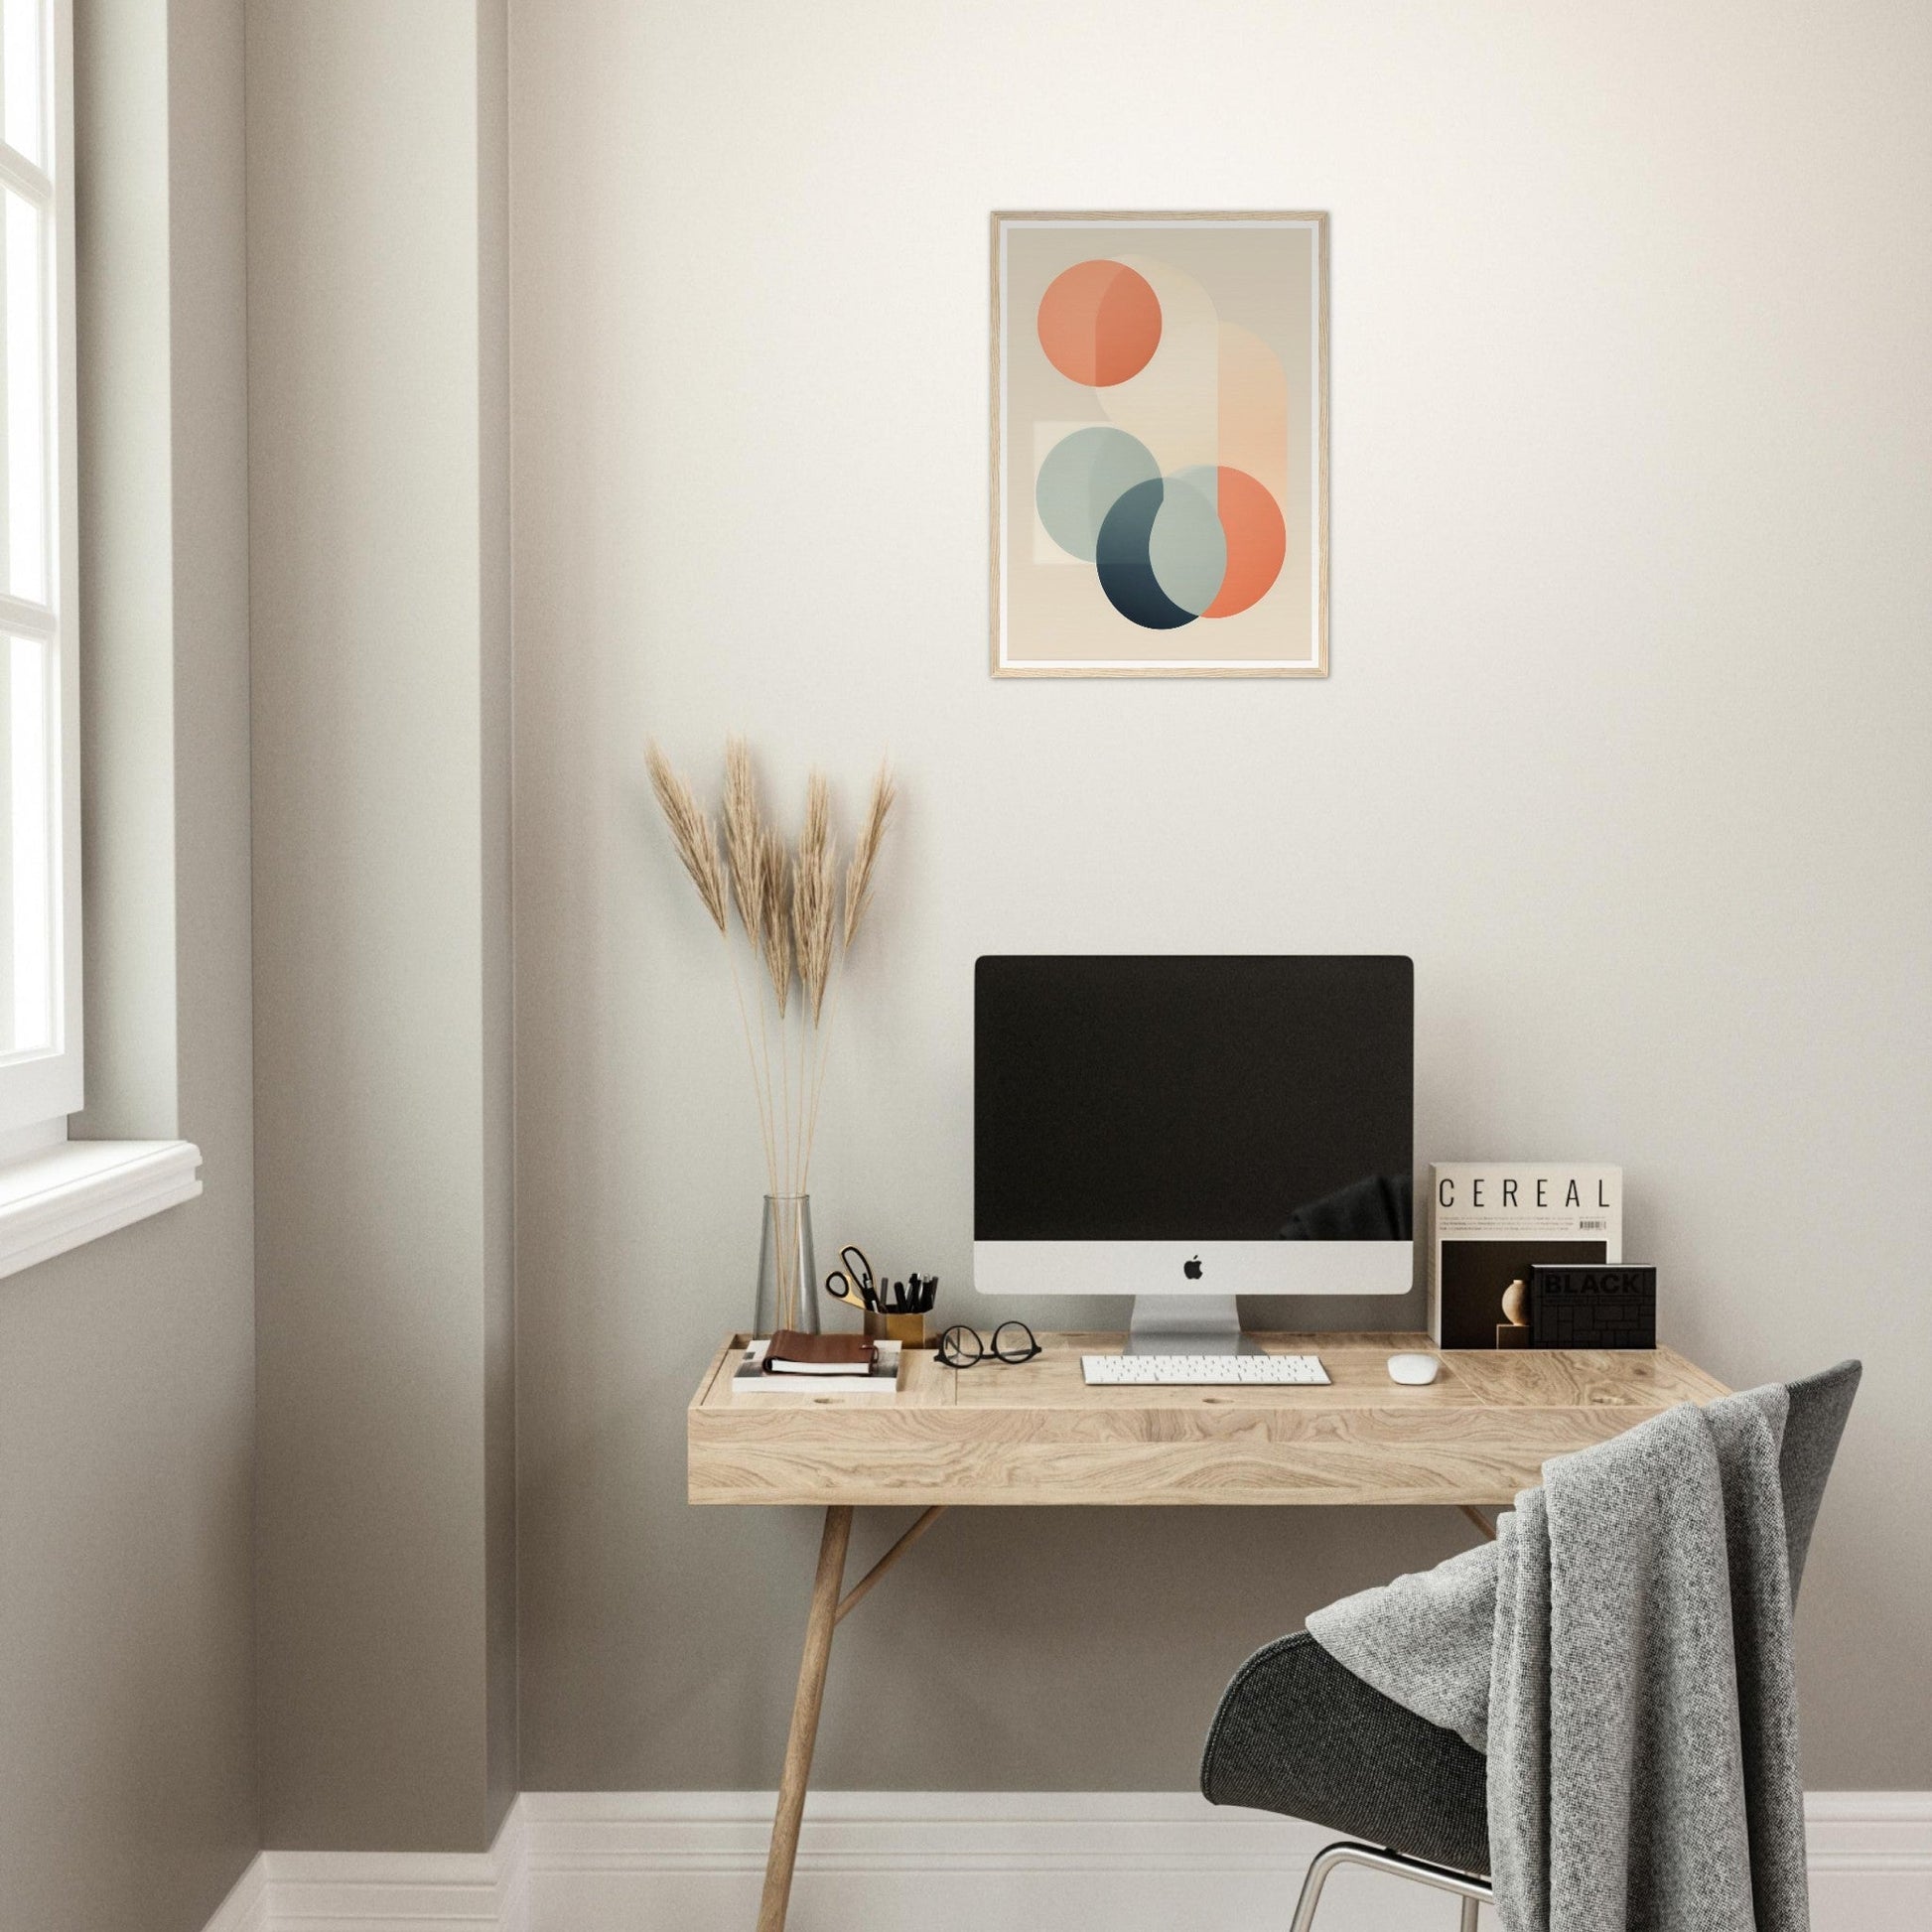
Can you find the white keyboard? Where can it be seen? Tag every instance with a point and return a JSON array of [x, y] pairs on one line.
[[1202, 1371]]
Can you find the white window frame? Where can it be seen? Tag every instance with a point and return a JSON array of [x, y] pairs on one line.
[[57, 1193], [38, 1089]]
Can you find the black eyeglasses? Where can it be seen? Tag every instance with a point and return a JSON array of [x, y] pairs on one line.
[[964, 1347]]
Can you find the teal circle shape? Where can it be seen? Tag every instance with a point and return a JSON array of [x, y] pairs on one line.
[[1122, 564], [1084, 476], [1187, 549]]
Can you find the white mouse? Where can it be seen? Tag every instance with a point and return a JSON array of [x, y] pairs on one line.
[[1413, 1369]]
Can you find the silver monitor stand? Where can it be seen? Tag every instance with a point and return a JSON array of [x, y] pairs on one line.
[[1186, 1325]]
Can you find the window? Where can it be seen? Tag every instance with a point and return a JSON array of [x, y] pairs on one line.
[[39, 790], [54, 1193]]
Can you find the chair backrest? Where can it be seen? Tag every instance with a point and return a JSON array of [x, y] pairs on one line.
[[1819, 1407]]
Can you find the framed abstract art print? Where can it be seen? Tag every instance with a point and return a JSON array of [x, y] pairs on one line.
[[1160, 444]]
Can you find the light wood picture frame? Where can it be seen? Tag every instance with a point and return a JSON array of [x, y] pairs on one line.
[[1159, 444]]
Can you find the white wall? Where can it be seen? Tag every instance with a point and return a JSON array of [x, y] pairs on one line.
[[1624, 743]]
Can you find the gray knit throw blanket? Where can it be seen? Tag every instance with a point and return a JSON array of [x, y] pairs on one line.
[[1622, 1652]]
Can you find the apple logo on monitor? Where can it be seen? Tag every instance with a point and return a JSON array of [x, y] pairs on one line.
[[1192, 1269]]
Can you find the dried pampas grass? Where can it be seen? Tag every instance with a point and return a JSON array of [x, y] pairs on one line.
[[744, 834], [864, 851], [788, 910], [692, 832], [774, 916], [814, 895]]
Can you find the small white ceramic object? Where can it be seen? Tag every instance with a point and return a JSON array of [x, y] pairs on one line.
[[1413, 1369]]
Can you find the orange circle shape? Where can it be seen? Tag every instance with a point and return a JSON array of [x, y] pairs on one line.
[[1257, 540], [1099, 323]]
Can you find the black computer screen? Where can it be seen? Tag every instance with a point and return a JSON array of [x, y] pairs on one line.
[[1228, 1098]]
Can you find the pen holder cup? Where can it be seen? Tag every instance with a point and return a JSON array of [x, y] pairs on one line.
[[907, 1329]]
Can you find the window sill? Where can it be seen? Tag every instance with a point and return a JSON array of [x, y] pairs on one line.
[[78, 1190]]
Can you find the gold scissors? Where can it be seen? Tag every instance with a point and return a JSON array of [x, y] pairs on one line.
[[852, 1281]]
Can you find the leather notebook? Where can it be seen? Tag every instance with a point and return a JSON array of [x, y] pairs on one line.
[[793, 1353]]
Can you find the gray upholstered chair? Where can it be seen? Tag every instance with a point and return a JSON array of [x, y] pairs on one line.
[[1300, 1734]]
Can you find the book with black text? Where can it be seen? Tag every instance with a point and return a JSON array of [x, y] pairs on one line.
[[1489, 1222]]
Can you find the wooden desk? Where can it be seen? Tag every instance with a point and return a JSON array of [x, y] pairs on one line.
[[1034, 1433]]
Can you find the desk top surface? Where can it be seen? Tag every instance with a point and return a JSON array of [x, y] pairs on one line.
[[1034, 1433]]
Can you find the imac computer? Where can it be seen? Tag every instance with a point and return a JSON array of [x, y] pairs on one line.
[[1184, 1129]]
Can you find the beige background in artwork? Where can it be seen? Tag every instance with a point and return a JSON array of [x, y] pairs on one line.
[[1258, 276]]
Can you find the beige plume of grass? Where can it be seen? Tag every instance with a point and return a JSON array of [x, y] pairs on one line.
[[692, 832], [774, 916], [744, 836], [857, 902], [865, 852], [814, 895]]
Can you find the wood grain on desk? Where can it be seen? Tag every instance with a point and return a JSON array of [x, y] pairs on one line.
[[1034, 1433]]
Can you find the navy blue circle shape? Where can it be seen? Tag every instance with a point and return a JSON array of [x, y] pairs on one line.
[[1126, 570]]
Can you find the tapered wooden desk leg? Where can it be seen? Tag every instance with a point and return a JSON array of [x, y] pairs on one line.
[[804, 1719]]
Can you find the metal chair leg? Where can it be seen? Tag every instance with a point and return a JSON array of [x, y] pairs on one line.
[[1472, 1891], [1324, 1864]]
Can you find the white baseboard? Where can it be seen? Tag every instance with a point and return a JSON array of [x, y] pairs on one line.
[[1869, 1855], [245, 1909], [385, 1891], [953, 1861]]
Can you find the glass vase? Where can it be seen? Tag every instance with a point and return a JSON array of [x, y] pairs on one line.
[[788, 1272]]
